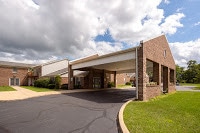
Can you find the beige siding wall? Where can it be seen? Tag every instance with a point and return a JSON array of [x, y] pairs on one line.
[[52, 67]]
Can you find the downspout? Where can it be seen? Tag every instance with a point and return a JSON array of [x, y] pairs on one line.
[[136, 71]]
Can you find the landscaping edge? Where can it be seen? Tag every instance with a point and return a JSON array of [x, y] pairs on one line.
[[122, 125]]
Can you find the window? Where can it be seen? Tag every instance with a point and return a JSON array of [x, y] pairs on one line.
[[165, 53], [152, 73], [14, 70]]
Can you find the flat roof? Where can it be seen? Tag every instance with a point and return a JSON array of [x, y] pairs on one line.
[[96, 56], [15, 64]]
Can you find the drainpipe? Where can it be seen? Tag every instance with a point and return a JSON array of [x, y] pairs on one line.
[[136, 71]]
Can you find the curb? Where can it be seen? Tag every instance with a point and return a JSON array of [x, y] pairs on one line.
[[122, 125]]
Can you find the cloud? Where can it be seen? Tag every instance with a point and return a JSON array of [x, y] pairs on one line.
[[172, 22], [36, 31], [196, 24], [183, 52], [179, 9], [166, 1]]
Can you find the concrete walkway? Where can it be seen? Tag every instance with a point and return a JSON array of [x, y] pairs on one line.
[[22, 93]]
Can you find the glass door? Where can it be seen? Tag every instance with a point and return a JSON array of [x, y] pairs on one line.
[[97, 82], [14, 81]]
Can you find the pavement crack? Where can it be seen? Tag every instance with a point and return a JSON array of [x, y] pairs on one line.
[[27, 121], [86, 126]]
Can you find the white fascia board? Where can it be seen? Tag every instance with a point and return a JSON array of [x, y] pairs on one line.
[[106, 59]]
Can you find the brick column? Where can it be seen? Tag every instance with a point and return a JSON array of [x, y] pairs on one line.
[[141, 73], [104, 79], [165, 78], [90, 79], [115, 84], [70, 78]]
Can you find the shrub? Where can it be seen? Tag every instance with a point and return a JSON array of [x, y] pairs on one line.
[[51, 86], [42, 82], [57, 82], [64, 86], [111, 84], [128, 83], [77, 86]]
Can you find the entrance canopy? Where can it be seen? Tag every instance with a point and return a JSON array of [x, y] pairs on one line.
[[120, 62], [152, 63]]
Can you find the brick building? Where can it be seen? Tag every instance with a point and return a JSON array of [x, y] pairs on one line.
[[13, 73], [151, 61]]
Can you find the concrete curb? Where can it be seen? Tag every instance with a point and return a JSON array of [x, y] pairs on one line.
[[122, 125]]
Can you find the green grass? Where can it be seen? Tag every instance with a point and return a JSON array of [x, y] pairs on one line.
[[37, 89], [6, 88], [172, 113], [196, 86], [123, 86]]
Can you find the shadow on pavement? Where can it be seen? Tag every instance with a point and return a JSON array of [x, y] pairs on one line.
[[106, 96]]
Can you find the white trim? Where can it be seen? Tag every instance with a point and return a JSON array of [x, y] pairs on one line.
[[14, 81], [128, 55]]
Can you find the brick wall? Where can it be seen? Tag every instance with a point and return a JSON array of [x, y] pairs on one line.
[[152, 91], [156, 50], [64, 80], [7, 72], [122, 78]]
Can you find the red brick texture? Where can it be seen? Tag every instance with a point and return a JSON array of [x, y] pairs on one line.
[[64, 80], [122, 78], [156, 50], [7, 72]]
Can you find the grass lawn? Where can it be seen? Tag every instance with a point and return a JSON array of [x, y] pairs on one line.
[[37, 89], [6, 88], [196, 86], [172, 113], [123, 86]]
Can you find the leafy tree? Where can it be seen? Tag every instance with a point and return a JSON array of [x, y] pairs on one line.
[[197, 79], [57, 82], [191, 71], [179, 73]]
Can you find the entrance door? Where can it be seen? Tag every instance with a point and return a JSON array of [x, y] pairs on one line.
[[14, 81], [97, 82]]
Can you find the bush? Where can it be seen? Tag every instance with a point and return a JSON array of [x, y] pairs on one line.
[[42, 82], [51, 86], [77, 86], [111, 84], [57, 82], [64, 86], [128, 83]]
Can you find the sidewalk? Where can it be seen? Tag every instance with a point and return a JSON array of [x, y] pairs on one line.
[[22, 93]]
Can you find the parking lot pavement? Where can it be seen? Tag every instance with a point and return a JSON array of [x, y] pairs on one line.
[[185, 88], [80, 112]]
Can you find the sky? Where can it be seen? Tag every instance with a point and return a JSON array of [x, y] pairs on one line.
[[38, 31]]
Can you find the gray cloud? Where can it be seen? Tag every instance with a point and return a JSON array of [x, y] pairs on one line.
[[48, 29]]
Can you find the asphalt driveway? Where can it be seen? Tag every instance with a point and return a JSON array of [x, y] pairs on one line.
[[80, 112]]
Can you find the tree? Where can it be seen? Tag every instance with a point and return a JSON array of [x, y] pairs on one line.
[[57, 82], [179, 73], [191, 71], [197, 79]]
